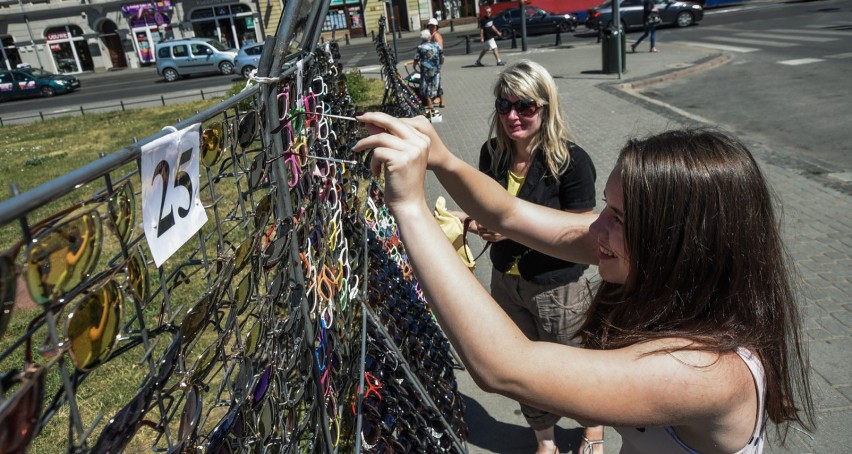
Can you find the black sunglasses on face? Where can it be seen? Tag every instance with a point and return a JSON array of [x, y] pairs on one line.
[[524, 107]]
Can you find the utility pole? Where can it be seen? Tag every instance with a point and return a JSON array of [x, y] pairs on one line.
[[393, 33], [30, 30], [523, 11]]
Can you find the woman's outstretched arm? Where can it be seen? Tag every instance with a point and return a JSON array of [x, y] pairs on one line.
[[557, 233]]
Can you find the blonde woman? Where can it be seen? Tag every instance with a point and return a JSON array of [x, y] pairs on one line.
[[531, 153]]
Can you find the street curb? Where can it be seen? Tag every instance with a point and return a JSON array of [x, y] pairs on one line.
[[705, 64], [632, 89]]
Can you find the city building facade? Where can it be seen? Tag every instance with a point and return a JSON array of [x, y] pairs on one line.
[[75, 36]]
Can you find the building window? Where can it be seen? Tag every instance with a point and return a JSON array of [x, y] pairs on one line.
[[233, 25], [10, 53], [69, 49]]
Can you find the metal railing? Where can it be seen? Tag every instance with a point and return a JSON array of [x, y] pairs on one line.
[[122, 105]]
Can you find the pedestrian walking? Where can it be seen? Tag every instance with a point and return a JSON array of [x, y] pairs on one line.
[[437, 38], [487, 32], [693, 342], [427, 61], [531, 153], [650, 18]]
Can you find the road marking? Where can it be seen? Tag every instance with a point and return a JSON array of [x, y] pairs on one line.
[[801, 61], [753, 42], [356, 58], [370, 69], [718, 46], [810, 39], [813, 32], [839, 56]]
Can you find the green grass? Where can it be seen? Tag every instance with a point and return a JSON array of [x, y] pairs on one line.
[[36, 153]]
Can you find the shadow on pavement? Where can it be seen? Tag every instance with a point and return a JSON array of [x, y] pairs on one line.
[[496, 436]]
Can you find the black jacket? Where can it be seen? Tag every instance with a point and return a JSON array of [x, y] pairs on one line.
[[574, 190]]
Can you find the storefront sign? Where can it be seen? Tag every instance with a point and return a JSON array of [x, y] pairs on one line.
[[213, 2], [139, 9]]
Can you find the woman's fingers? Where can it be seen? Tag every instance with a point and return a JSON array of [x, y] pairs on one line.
[[407, 128], [401, 150], [378, 122]]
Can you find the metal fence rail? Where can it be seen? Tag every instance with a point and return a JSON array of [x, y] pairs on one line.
[[290, 322], [122, 105]]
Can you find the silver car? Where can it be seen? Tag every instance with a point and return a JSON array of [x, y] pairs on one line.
[[247, 58], [187, 57], [672, 12]]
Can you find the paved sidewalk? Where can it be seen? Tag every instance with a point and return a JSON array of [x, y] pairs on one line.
[[817, 220]]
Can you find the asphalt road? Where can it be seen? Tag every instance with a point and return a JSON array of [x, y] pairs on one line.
[[108, 89], [789, 82]]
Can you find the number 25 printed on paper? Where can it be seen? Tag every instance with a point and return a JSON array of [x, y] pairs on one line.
[[171, 210]]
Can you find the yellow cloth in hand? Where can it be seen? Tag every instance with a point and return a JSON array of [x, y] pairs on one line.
[[454, 230]]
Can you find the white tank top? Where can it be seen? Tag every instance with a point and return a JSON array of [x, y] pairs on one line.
[[664, 440]]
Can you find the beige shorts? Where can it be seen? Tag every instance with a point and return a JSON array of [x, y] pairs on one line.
[[489, 44], [548, 313]]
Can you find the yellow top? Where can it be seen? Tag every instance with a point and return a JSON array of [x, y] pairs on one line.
[[514, 186]]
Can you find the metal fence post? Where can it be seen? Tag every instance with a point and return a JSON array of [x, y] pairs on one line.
[[467, 44], [82, 111], [163, 100]]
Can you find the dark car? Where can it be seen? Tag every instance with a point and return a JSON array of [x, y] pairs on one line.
[[538, 21], [22, 83], [672, 12]]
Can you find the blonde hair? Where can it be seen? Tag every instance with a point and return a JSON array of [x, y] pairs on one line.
[[526, 79]]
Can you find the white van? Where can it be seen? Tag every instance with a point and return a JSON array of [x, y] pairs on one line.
[[186, 57]]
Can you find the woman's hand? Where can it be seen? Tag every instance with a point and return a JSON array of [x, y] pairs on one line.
[[402, 151], [439, 154], [490, 235]]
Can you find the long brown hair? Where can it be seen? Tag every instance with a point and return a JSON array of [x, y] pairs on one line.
[[706, 263]]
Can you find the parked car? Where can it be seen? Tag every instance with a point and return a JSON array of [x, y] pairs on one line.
[[186, 57], [707, 4], [538, 21], [575, 7], [247, 58], [672, 12], [22, 83]]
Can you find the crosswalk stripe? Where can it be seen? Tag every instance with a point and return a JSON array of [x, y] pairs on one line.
[[753, 42], [826, 25], [838, 56], [370, 69], [801, 61], [718, 46], [813, 32], [810, 39], [356, 58]]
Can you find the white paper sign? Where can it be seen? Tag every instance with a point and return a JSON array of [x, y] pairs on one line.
[[171, 210]]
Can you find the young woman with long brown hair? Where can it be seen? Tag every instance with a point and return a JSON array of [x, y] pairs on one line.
[[693, 339]]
